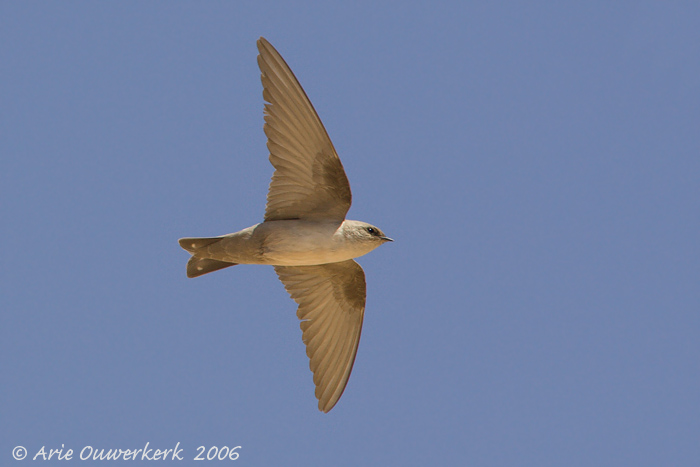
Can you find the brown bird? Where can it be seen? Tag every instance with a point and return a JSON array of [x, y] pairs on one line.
[[304, 234]]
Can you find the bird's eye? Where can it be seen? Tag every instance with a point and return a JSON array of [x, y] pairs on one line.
[[371, 230]]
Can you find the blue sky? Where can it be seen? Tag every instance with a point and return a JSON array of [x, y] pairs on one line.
[[537, 164]]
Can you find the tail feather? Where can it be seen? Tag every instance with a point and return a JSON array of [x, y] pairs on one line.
[[198, 265], [194, 244]]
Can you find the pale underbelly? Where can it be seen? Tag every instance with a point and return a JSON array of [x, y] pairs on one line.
[[304, 258]]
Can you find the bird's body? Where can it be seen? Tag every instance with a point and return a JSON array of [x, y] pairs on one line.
[[305, 235], [290, 243]]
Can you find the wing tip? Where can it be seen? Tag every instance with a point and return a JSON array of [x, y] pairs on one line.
[[263, 44]]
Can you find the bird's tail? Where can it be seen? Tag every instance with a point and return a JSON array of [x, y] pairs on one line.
[[199, 265]]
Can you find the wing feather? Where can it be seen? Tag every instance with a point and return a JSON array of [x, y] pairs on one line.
[[331, 300], [309, 181]]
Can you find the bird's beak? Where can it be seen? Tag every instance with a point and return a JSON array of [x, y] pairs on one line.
[[387, 239]]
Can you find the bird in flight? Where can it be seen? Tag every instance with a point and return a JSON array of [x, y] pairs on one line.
[[304, 235]]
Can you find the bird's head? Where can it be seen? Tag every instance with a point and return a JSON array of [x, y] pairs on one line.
[[366, 233]]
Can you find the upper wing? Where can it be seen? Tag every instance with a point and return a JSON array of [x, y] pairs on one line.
[[331, 300], [309, 180]]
